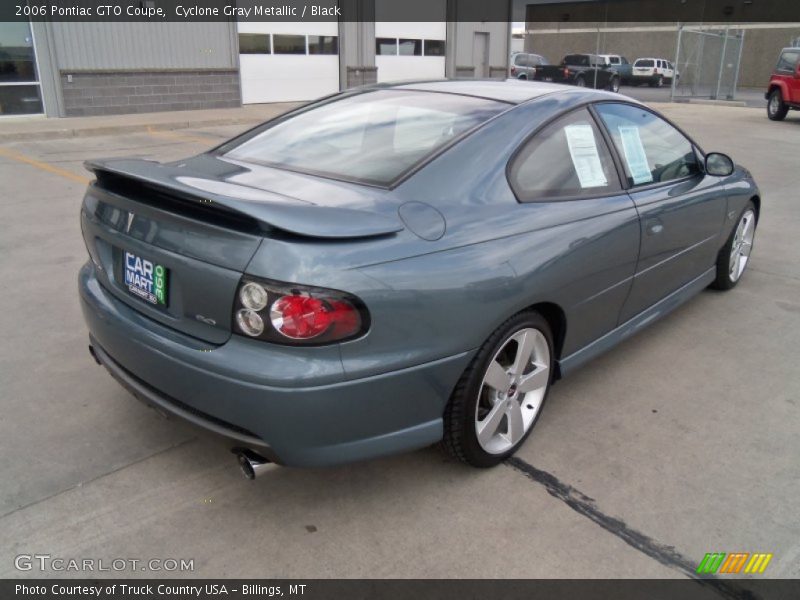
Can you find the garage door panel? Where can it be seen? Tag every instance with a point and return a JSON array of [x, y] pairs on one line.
[[287, 78]]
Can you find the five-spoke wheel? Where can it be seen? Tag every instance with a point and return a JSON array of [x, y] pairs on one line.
[[735, 254], [498, 399]]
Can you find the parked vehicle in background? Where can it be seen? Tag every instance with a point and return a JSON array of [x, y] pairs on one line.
[[621, 65], [583, 70], [652, 71], [523, 64], [783, 92]]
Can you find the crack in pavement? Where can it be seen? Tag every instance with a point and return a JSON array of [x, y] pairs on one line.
[[98, 477], [586, 506]]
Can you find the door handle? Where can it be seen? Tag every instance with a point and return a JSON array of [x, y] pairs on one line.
[[654, 227]]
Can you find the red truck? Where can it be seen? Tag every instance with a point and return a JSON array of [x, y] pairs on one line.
[[784, 85]]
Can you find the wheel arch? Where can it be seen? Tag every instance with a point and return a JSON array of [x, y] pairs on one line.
[[777, 85], [756, 200], [557, 319]]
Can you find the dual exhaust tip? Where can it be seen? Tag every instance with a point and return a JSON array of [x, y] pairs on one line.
[[251, 463]]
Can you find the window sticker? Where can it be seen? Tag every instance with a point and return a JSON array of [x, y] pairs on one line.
[[634, 154], [583, 150]]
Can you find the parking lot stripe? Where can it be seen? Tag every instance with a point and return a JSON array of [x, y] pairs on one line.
[[179, 136], [19, 157]]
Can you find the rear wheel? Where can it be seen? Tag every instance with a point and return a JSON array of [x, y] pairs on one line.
[[613, 85], [659, 81], [580, 82], [735, 254], [776, 107], [499, 397], [522, 76]]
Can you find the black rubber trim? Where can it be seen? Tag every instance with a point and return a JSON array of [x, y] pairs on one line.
[[147, 394]]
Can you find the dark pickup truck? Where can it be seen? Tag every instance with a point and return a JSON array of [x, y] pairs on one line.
[[583, 70]]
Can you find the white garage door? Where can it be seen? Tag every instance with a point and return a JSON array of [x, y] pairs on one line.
[[285, 62], [410, 50]]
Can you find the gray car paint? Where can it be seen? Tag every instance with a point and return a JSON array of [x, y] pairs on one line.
[[462, 256]]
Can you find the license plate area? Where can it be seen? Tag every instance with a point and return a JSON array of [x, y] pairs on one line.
[[145, 279]]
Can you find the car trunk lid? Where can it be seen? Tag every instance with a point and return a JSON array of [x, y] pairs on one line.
[[173, 242]]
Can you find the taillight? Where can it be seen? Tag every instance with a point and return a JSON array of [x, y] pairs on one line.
[[513, 70], [566, 72], [286, 313]]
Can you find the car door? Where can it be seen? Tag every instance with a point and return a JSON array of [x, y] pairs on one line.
[[788, 69], [681, 210], [585, 238]]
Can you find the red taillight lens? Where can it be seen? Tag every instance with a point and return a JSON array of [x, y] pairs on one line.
[[297, 314], [304, 317], [513, 70], [566, 72]]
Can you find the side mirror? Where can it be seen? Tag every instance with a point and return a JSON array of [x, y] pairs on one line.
[[718, 164]]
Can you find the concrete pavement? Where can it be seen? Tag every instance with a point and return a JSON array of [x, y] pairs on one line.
[[682, 441]]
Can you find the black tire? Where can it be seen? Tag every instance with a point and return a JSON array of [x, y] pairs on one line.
[[460, 437], [723, 279], [658, 82], [776, 107], [522, 76], [580, 82], [613, 85]]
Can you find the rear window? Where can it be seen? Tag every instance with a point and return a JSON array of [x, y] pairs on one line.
[[372, 137], [644, 63], [578, 60]]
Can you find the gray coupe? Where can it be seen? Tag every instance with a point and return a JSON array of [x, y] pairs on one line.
[[395, 266]]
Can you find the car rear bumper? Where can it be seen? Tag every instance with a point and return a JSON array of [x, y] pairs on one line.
[[294, 405]]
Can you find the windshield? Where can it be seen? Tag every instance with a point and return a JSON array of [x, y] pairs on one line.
[[372, 137]]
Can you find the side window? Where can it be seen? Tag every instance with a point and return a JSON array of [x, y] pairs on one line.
[[652, 150], [787, 61], [566, 159]]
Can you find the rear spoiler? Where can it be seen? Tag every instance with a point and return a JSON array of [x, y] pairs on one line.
[[268, 209]]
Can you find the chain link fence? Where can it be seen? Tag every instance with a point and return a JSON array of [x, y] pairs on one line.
[[707, 63]]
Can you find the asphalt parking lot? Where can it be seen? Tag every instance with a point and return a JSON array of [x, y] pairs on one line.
[[682, 441]]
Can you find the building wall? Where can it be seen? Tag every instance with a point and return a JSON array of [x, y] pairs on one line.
[[113, 68], [462, 60]]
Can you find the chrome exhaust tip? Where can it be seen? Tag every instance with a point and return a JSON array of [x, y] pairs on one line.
[[251, 463]]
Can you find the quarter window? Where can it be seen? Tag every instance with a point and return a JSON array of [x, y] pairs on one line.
[[566, 159], [652, 150]]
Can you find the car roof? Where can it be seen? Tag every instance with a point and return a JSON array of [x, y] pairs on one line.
[[513, 91]]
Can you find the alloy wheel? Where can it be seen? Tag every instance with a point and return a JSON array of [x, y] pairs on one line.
[[512, 391], [774, 104], [742, 245]]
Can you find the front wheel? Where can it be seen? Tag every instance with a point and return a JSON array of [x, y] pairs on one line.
[[735, 254], [499, 397], [776, 107]]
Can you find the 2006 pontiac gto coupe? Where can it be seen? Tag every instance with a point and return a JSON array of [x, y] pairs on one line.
[[398, 265]]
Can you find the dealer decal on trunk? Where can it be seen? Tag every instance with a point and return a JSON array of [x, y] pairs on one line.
[[146, 279]]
